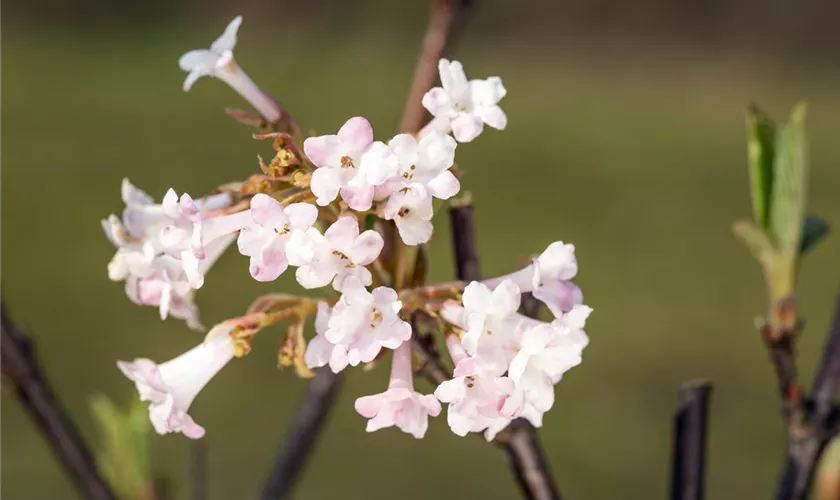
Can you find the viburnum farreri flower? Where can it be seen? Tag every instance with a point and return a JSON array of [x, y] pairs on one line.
[[219, 62], [339, 253], [549, 278], [476, 397], [171, 387], [344, 209], [400, 405], [410, 208], [276, 237], [349, 163], [462, 106], [364, 322]]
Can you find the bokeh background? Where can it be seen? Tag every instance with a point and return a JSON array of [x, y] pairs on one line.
[[626, 137]]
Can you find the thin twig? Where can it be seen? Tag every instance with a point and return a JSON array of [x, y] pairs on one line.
[[520, 437], [198, 470], [814, 422], [435, 41], [20, 366], [689, 454], [464, 242], [302, 434]]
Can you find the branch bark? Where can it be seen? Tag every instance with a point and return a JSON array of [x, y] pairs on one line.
[[435, 43], [813, 422], [689, 453], [302, 435], [519, 439], [20, 366]]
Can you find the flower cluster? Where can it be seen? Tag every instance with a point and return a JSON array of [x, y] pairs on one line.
[[344, 210]]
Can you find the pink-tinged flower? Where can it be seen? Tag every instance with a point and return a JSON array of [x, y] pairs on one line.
[[411, 209], [462, 106], [144, 219], [476, 398], [400, 405], [339, 253], [219, 62], [364, 322], [488, 318], [549, 278], [427, 163], [320, 351], [165, 283], [133, 259], [189, 231], [349, 163], [546, 351], [277, 236], [171, 387]]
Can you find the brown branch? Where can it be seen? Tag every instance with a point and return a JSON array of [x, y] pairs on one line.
[[435, 42], [464, 242], [302, 435], [813, 422], [689, 453], [20, 367], [519, 439]]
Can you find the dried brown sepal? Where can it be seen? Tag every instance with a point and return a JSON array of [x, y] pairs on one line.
[[274, 302], [248, 118], [243, 333], [301, 179], [260, 184], [292, 350], [287, 155]]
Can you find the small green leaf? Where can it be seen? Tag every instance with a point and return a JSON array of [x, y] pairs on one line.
[[761, 136], [123, 455], [790, 178], [813, 231], [756, 239]]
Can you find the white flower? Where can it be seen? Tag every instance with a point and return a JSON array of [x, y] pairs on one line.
[[165, 284], [489, 319], [546, 352], [189, 231], [276, 237], [476, 398], [464, 106], [219, 62], [400, 405], [350, 163], [427, 162], [549, 278], [411, 209], [339, 253], [320, 351], [364, 322], [171, 387]]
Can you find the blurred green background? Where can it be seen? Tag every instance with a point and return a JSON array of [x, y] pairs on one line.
[[625, 137]]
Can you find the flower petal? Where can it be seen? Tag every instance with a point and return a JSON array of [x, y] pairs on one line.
[[326, 182], [467, 127], [324, 151], [227, 40], [366, 248], [444, 186], [356, 134], [264, 208]]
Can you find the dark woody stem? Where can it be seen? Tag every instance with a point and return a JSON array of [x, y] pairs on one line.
[[20, 367]]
